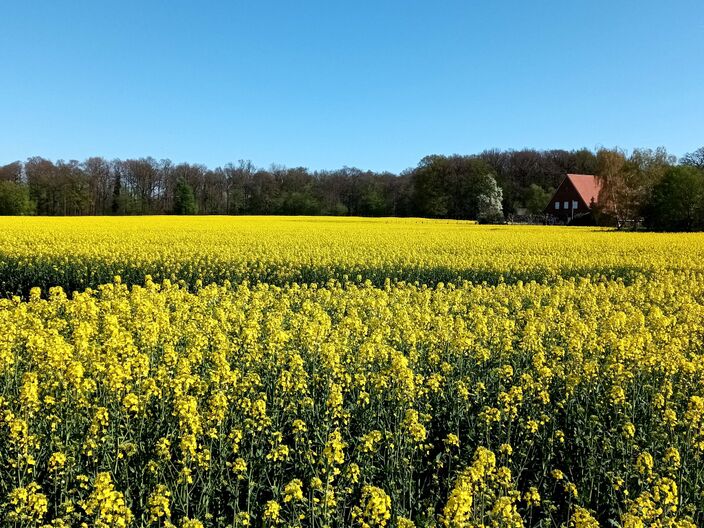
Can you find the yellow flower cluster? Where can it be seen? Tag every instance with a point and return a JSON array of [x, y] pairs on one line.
[[105, 505], [375, 510], [302, 388], [483, 495], [27, 504]]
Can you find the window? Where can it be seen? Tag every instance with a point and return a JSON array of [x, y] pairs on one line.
[[557, 205], [575, 205], [566, 205]]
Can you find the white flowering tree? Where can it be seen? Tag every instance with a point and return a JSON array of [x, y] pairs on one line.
[[490, 208]]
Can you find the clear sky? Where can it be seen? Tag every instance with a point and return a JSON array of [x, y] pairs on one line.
[[326, 83]]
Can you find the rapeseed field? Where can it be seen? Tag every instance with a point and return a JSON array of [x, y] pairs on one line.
[[327, 372]]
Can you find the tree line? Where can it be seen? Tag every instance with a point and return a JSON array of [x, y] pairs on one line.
[[644, 188], [651, 189]]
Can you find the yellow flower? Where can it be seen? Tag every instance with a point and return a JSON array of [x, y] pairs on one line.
[[131, 403], [159, 504], [571, 489], [415, 429], [629, 430], [403, 522], [27, 504], [293, 491], [353, 472], [532, 497], [299, 426], [239, 466], [672, 458], [29, 393], [334, 449], [452, 440], [278, 453], [644, 463], [105, 505], [272, 510], [505, 513], [374, 509], [56, 462], [163, 448], [670, 418], [370, 441], [581, 518], [618, 396]]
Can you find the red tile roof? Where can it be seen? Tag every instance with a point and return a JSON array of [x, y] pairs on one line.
[[587, 186]]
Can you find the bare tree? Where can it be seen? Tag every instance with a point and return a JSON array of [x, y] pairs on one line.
[[11, 172], [627, 182], [694, 159], [99, 174]]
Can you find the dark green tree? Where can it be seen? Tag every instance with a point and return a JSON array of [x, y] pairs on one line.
[[677, 201], [451, 186], [184, 199], [116, 194], [536, 198], [14, 199], [299, 203]]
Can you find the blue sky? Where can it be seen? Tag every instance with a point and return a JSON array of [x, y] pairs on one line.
[[322, 84]]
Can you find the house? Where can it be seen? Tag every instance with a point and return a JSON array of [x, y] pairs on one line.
[[574, 197]]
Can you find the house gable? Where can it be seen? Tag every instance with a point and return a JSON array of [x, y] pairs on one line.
[[574, 196]]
